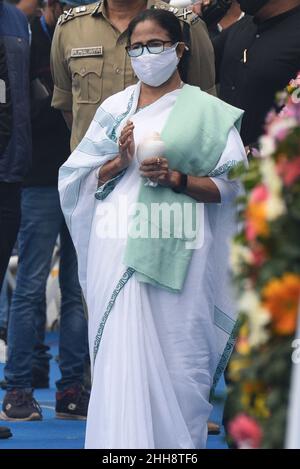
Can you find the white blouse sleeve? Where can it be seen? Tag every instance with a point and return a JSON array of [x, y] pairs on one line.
[[233, 154]]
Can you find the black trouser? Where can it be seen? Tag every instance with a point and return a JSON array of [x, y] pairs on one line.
[[10, 215]]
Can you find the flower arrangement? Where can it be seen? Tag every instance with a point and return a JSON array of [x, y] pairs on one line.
[[265, 259]]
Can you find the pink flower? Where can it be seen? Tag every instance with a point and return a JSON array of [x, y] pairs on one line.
[[255, 153], [295, 83], [289, 170], [292, 109], [283, 125], [245, 431], [271, 116], [259, 256], [259, 194]]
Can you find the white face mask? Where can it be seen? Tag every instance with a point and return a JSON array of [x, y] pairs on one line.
[[155, 69]]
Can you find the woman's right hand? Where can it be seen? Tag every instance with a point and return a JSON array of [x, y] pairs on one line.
[[123, 159], [126, 145]]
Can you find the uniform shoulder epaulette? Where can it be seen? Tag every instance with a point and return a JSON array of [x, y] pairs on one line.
[[183, 14], [76, 12]]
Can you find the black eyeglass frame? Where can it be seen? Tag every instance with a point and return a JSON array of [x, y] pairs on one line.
[[129, 47]]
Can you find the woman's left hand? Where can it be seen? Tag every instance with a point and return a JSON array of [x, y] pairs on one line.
[[157, 170]]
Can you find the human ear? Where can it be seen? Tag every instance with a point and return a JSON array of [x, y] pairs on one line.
[[180, 49]]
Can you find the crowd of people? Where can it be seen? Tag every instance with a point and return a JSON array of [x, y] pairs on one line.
[[96, 81]]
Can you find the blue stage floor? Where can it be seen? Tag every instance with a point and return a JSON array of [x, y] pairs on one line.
[[51, 433]]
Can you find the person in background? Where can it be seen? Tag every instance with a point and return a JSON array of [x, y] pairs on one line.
[[15, 151], [5, 134], [89, 61], [30, 8], [257, 57], [40, 378], [5, 101], [15, 154], [42, 222], [4, 307], [232, 15]]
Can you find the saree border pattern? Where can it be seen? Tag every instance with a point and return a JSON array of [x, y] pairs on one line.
[[225, 356], [120, 285], [120, 118], [223, 169]]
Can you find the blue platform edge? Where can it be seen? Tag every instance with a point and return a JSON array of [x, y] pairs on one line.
[[51, 433]]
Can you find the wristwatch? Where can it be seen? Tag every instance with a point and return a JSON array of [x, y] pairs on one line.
[[183, 183]]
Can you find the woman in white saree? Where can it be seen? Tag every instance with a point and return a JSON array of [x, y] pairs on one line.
[[161, 316]]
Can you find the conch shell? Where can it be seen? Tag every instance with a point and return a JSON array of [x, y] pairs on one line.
[[150, 147]]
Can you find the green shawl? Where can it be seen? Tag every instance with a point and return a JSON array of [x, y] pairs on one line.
[[195, 136]]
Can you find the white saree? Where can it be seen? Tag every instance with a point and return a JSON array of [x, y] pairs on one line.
[[157, 351]]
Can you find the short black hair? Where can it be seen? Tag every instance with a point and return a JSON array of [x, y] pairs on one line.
[[164, 18]]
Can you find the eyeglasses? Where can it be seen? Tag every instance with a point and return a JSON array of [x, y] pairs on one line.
[[153, 47]]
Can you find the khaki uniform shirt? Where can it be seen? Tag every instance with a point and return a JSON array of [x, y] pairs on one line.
[[89, 62]]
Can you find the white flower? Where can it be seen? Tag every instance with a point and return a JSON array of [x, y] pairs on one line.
[[270, 177], [239, 255], [275, 207], [267, 146], [296, 96], [258, 318]]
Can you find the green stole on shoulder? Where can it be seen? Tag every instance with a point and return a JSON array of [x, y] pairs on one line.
[[195, 136]]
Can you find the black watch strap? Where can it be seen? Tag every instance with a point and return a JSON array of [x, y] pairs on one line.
[[183, 183]]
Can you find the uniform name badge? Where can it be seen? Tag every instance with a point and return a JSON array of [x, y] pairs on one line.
[[87, 51]]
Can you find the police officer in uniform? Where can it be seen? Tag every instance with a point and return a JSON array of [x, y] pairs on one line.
[[89, 62]]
